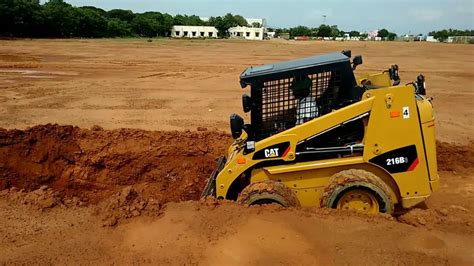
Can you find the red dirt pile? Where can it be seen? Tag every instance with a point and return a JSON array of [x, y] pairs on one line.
[[93, 164]]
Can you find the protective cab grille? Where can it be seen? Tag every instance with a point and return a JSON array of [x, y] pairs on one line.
[[281, 110]]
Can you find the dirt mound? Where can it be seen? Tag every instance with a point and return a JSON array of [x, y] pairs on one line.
[[42, 198], [92, 165], [95, 164], [452, 157], [126, 204]]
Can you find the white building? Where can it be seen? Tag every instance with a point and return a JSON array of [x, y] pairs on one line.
[[255, 31], [254, 21], [179, 31], [271, 34], [372, 34], [247, 33]]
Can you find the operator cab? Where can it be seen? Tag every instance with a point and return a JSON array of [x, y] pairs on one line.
[[288, 94]]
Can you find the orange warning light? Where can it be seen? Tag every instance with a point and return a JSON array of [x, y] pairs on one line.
[[394, 114], [241, 160]]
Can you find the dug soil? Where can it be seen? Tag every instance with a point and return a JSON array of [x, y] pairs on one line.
[[98, 196], [93, 164], [73, 195]]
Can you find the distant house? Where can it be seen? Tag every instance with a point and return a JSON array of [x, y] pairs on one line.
[[247, 33], [271, 34], [285, 35], [431, 39], [255, 31], [372, 34], [179, 31], [463, 39]]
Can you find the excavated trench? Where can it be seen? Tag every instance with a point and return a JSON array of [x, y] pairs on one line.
[[94, 164]]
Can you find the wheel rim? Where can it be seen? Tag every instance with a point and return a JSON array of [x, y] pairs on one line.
[[359, 200]]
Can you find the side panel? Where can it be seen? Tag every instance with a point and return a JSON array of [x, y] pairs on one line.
[[394, 124], [376, 80], [428, 125], [233, 169]]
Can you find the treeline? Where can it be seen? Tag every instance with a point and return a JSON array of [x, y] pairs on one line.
[[58, 19], [331, 32], [442, 35]]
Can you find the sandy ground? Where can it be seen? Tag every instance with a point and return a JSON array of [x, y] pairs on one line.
[[172, 84], [71, 195]]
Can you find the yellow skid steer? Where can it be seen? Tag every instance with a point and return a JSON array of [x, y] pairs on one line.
[[319, 136]]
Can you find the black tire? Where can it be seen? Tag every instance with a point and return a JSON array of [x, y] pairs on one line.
[[268, 192], [353, 179]]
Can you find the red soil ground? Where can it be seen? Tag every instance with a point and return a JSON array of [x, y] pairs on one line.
[[70, 195]]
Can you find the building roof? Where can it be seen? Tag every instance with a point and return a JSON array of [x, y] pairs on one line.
[[193, 27]]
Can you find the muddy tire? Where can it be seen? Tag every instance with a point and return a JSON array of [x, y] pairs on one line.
[[354, 181], [268, 192]]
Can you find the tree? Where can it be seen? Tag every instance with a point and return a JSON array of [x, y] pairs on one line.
[[194, 21], [118, 28], [324, 31], [21, 18], [334, 31], [223, 24], [391, 36], [354, 33], [441, 35], [123, 15], [363, 36], [99, 11], [383, 33], [60, 19], [145, 25], [179, 20], [90, 23], [257, 25], [166, 22], [239, 20], [300, 31], [152, 24]]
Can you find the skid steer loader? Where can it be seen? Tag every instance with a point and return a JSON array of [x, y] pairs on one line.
[[319, 136]]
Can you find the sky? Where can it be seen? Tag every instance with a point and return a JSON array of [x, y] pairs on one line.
[[400, 16]]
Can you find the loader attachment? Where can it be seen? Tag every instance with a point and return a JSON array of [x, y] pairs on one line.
[[210, 188]]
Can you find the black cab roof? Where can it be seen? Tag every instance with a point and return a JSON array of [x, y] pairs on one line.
[[287, 68]]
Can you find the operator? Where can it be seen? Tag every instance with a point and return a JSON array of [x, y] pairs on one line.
[[306, 108]]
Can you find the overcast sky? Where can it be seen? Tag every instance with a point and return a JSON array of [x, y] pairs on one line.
[[400, 16]]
